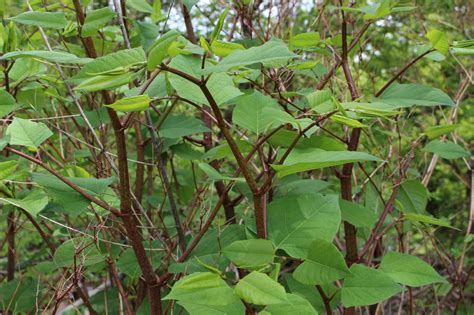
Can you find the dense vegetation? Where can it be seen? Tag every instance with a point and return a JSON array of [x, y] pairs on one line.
[[236, 157]]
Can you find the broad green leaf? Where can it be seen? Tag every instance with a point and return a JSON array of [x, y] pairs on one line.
[[159, 50], [446, 149], [438, 41], [294, 186], [406, 95], [189, 3], [307, 292], [95, 20], [343, 120], [250, 253], [114, 64], [305, 40], [51, 56], [72, 202], [33, 203], [195, 308], [357, 215], [324, 263], [131, 104], [436, 131], [218, 28], [4, 142], [295, 305], [214, 175], [27, 133], [7, 103], [409, 270], [223, 49], [373, 11], [427, 219], [258, 288], [367, 286], [177, 126], [205, 288], [372, 109], [78, 251], [55, 20], [321, 101], [7, 168], [156, 15], [257, 112], [294, 222], [105, 82], [140, 6], [19, 294], [214, 240], [301, 160], [273, 52], [220, 85], [413, 196]]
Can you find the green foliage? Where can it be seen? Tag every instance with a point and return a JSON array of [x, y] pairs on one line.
[[27, 133], [366, 286], [203, 157]]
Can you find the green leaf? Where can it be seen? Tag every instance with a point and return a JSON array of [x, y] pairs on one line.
[[258, 288], [438, 41], [67, 197], [357, 215], [159, 50], [436, 131], [194, 308], [105, 82], [294, 222], [409, 270], [295, 305], [217, 30], [19, 295], [324, 264], [131, 104], [300, 160], [214, 175], [7, 103], [189, 3], [140, 6], [95, 20], [7, 168], [220, 85], [305, 40], [55, 20], [33, 203], [156, 14], [51, 56], [78, 251], [27, 133], [250, 253], [413, 196], [321, 101], [343, 120], [374, 11], [223, 49], [406, 95], [446, 149], [257, 112], [367, 286], [422, 218], [273, 52], [114, 64], [204, 288], [177, 126], [307, 292]]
